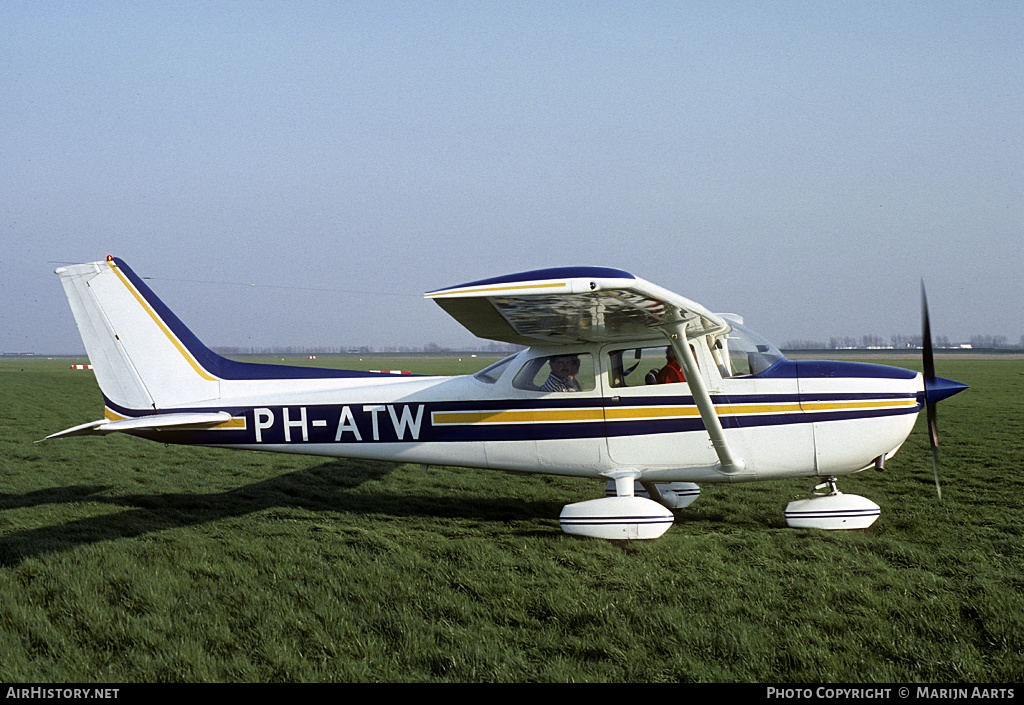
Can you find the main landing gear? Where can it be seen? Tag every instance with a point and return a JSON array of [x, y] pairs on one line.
[[630, 509]]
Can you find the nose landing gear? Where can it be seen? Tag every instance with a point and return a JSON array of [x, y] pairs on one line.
[[831, 509]]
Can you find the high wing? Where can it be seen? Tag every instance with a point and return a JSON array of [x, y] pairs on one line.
[[567, 305]]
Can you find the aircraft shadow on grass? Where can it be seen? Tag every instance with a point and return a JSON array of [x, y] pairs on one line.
[[324, 487]]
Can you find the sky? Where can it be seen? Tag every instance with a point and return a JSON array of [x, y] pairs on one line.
[[299, 173]]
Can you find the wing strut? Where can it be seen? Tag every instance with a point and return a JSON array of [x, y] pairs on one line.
[[729, 462]]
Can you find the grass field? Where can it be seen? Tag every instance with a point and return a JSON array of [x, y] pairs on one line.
[[123, 560]]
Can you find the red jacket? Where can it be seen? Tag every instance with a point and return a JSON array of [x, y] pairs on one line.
[[671, 373]]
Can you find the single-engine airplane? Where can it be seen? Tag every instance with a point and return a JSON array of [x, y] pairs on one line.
[[581, 400]]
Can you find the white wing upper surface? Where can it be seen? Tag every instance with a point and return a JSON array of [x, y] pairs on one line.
[[570, 305]]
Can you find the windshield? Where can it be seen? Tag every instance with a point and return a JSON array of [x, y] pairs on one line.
[[748, 352], [491, 373]]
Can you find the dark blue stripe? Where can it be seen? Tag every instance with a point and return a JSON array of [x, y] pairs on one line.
[[832, 514], [387, 433], [833, 369], [611, 520]]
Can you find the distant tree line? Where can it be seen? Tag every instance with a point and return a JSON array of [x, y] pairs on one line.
[[902, 342]]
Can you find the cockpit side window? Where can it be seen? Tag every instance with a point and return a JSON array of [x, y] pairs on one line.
[[557, 373]]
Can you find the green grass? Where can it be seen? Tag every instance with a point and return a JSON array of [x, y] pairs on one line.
[[124, 560]]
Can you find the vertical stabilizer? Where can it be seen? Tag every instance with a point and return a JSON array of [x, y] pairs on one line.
[[143, 357]]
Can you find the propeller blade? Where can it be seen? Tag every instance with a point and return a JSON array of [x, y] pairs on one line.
[[928, 358], [926, 339], [933, 437]]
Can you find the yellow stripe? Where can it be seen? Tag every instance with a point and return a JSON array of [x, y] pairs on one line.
[[492, 289], [845, 405], [649, 412], [640, 413], [170, 336], [236, 423], [661, 412], [748, 409], [442, 418]]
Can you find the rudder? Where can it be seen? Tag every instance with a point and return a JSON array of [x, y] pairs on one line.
[[143, 357]]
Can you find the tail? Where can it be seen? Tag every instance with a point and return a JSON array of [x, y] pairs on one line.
[[144, 357]]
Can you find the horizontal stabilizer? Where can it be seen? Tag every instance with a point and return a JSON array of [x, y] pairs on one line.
[[155, 422]]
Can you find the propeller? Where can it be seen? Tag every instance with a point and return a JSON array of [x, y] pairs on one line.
[[929, 384]]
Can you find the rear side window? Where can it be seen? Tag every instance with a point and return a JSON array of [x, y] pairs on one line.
[[635, 366], [638, 367]]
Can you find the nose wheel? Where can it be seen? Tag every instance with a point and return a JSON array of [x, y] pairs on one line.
[[830, 509]]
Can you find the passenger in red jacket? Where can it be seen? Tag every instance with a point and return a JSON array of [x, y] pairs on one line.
[[671, 372]]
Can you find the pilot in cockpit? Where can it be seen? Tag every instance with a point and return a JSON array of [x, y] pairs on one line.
[[564, 369]]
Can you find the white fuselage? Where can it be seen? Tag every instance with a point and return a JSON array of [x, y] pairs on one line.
[[745, 413], [796, 419]]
